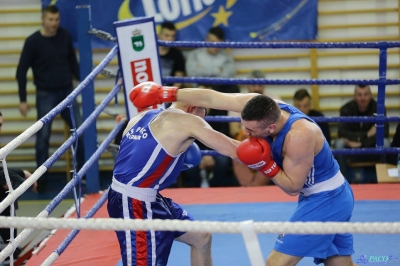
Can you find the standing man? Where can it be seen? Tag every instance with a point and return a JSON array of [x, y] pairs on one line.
[[288, 147], [160, 143], [171, 59], [50, 54]]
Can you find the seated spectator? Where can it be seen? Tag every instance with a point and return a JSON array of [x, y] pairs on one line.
[[171, 59], [358, 134], [211, 62], [302, 101], [17, 177], [216, 168], [259, 88], [246, 176]]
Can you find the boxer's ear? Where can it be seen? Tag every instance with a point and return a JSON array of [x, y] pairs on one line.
[[190, 109]]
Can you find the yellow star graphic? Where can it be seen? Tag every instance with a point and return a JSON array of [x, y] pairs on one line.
[[221, 17]]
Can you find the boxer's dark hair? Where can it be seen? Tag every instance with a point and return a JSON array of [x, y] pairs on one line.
[[261, 108]]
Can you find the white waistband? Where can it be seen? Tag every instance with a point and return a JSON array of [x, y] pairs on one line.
[[142, 194], [327, 185]]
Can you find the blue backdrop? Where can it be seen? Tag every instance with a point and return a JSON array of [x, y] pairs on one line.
[[244, 20]]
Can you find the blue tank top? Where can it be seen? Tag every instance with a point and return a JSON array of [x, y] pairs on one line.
[[142, 161], [324, 166]]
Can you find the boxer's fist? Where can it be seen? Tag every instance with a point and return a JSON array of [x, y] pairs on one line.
[[150, 94], [192, 157], [256, 154]]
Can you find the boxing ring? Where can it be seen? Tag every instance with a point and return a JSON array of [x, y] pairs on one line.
[[234, 215]]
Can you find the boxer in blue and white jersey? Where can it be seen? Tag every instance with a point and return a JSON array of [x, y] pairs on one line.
[[288, 147], [156, 146]]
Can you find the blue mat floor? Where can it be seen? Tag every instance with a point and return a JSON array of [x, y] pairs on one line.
[[229, 249]]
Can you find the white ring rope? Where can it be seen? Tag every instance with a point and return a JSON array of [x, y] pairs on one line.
[[201, 226], [6, 252], [20, 139], [11, 197]]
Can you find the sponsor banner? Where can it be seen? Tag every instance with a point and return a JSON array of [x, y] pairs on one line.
[[246, 20], [138, 55]]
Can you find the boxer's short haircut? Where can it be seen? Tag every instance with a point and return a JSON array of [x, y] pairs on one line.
[[261, 108]]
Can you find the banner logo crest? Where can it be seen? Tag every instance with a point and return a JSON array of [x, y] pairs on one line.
[[137, 40]]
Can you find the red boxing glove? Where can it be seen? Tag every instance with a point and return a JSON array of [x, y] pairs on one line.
[[150, 94], [256, 154]]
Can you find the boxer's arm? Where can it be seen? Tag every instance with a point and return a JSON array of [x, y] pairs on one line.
[[149, 94], [298, 160], [213, 99], [201, 130]]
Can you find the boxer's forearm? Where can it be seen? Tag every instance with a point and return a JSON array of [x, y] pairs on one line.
[[213, 99], [197, 97], [286, 184]]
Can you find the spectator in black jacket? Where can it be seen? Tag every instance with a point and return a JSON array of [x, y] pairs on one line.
[[50, 54], [17, 177], [171, 59], [302, 101], [358, 134]]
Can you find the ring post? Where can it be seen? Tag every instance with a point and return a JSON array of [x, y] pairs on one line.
[[380, 109], [86, 66]]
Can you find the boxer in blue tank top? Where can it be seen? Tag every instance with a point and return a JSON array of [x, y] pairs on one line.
[[156, 146], [288, 147], [319, 200]]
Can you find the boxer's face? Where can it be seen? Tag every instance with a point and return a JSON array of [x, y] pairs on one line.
[[50, 22], [258, 129]]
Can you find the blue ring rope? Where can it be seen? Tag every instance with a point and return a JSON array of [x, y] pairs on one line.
[[67, 143], [74, 150], [61, 248], [357, 151], [238, 81], [103, 146], [275, 45], [57, 154], [344, 119]]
